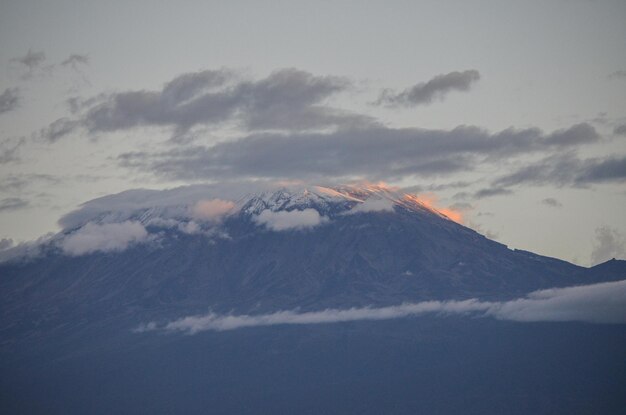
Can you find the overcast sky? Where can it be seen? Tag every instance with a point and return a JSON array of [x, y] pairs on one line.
[[513, 112]]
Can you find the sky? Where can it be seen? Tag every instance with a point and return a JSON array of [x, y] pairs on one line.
[[512, 113]]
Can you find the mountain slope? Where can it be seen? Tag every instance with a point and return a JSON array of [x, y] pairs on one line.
[[70, 308]]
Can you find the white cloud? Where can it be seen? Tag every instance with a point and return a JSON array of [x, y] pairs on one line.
[[295, 219], [373, 205], [166, 204], [211, 210], [595, 303], [104, 238], [610, 243]]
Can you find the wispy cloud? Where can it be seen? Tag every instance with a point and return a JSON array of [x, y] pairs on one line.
[[492, 191], [552, 202], [9, 100], [371, 152], [372, 205], [9, 149], [568, 170], [76, 60], [609, 243], [426, 92], [12, 203], [619, 74], [596, 303], [31, 63]]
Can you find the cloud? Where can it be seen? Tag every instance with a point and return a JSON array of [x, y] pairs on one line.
[[75, 60], [576, 134], [289, 220], [492, 191], [212, 210], [9, 100], [26, 250], [169, 204], [603, 303], [620, 130], [58, 129], [31, 64], [9, 149], [552, 202], [372, 205], [111, 237], [5, 243], [32, 60], [566, 169], [287, 99], [620, 74], [371, 152], [15, 182], [610, 243], [436, 88], [12, 203]]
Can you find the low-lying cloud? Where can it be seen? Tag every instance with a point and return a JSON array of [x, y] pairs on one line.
[[609, 243], [289, 220], [372, 205], [211, 210], [109, 237], [426, 92], [603, 303]]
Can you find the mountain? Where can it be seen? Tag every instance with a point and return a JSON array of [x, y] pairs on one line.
[[76, 300]]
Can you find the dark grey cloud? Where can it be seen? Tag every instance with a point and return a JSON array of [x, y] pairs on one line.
[[372, 152], [9, 100], [492, 191], [577, 134], [12, 203], [288, 99], [620, 74], [426, 92], [620, 130], [552, 202], [610, 243], [568, 170], [76, 60]]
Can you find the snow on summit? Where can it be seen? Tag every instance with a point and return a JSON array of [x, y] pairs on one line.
[[184, 203]]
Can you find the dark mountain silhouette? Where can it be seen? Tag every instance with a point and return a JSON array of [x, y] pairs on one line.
[[368, 246]]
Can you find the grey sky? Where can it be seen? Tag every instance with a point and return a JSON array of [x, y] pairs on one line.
[[519, 102]]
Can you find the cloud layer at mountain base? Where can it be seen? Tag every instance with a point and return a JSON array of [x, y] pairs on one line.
[[603, 303]]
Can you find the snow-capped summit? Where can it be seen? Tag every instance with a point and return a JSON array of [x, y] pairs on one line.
[[180, 204]]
